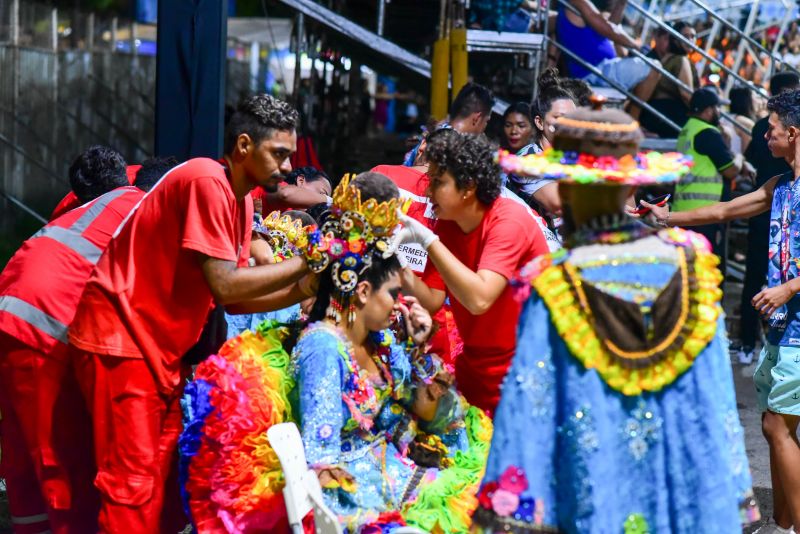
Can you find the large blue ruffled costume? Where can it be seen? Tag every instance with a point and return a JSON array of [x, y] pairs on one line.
[[588, 442]]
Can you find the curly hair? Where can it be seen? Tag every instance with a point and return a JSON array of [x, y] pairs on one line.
[[469, 158], [96, 171], [259, 116], [787, 106]]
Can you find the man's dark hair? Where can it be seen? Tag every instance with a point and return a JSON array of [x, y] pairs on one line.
[[523, 108], [311, 174], [152, 170], [469, 158], [783, 81], [98, 170], [787, 106], [259, 117], [472, 98], [375, 185]]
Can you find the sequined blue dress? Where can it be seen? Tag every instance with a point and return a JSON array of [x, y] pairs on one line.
[[620, 445], [369, 433]]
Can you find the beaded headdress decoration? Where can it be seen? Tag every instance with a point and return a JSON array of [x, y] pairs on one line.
[[286, 236], [352, 232]]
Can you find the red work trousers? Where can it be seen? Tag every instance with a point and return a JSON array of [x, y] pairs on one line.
[[47, 457], [135, 430]]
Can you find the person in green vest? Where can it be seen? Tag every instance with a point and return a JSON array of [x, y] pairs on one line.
[[714, 165]]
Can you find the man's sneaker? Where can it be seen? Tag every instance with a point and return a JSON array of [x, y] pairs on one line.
[[770, 527]]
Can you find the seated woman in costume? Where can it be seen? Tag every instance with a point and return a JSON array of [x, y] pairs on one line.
[[380, 422]]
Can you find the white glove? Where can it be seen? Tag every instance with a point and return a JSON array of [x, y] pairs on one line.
[[414, 232]]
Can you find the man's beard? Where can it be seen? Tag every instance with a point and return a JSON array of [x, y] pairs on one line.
[[274, 180], [715, 119]]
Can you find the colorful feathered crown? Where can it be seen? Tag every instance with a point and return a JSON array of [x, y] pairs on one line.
[[382, 217], [352, 232], [286, 236]]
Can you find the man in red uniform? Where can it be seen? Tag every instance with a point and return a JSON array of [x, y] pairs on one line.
[[88, 181], [43, 433], [145, 305]]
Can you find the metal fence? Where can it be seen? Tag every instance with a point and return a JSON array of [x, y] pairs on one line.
[[69, 80]]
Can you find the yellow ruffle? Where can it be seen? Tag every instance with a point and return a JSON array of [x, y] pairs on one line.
[[574, 324]]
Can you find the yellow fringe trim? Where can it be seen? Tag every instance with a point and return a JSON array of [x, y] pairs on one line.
[[574, 323]]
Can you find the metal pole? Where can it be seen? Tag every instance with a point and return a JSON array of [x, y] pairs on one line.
[[591, 68], [24, 208], [54, 30], [647, 24], [712, 37], [134, 39], [784, 23], [744, 35], [751, 19], [694, 47], [14, 22], [544, 13], [114, 23], [691, 14], [668, 75], [298, 53], [90, 32], [381, 16]]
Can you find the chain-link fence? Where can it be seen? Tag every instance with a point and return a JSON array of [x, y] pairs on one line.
[[70, 79]]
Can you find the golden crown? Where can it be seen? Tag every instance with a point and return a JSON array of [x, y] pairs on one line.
[[292, 229], [382, 217]]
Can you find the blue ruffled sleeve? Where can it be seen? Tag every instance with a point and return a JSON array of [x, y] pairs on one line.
[[320, 376]]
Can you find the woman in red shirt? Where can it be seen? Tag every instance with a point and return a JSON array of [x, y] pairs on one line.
[[478, 244]]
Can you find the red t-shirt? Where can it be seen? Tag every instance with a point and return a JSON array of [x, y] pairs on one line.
[[70, 201], [148, 297], [41, 285], [507, 238]]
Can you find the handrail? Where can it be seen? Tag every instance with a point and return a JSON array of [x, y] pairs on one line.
[[694, 47], [679, 15], [668, 75], [23, 207], [594, 70], [661, 70], [753, 42]]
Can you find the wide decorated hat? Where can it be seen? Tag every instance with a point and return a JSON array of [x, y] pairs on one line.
[[598, 146]]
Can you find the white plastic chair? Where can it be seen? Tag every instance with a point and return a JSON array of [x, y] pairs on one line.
[[302, 492]]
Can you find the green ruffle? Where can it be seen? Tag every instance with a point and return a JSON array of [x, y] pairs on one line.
[[447, 503]]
